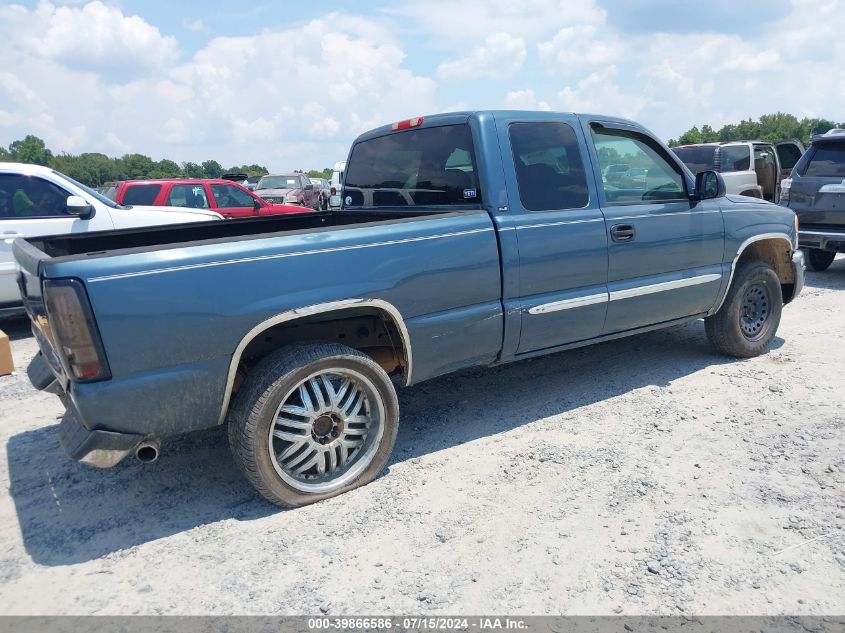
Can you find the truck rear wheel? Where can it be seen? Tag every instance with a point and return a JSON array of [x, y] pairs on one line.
[[817, 259], [749, 317], [312, 421]]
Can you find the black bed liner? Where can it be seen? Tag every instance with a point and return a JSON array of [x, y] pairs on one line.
[[101, 243]]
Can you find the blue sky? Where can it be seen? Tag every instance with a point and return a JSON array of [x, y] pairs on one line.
[[290, 84]]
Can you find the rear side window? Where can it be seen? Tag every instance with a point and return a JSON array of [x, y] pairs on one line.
[[429, 166], [735, 158], [141, 194], [828, 161], [190, 196], [549, 170]]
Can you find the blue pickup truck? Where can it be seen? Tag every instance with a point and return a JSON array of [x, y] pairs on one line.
[[473, 238]]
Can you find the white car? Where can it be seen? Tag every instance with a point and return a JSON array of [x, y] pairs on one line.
[[36, 200], [337, 184]]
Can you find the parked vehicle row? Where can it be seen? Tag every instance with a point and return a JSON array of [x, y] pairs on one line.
[[37, 200], [230, 199], [295, 188], [464, 239]]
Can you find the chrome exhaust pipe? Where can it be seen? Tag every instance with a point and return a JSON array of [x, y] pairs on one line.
[[147, 451]]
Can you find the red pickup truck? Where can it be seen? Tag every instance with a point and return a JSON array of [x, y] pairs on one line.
[[228, 198]]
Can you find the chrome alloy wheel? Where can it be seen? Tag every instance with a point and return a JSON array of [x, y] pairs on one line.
[[326, 430]]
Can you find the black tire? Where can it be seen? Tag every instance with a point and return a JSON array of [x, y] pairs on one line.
[[258, 402], [749, 317], [817, 259]]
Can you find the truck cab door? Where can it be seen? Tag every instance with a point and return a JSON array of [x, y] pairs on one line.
[[665, 250], [559, 229]]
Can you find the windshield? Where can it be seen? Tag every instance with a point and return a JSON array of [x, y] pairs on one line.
[[278, 182], [88, 190], [698, 158]]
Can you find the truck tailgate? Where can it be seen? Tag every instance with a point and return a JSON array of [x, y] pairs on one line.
[[29, 260]]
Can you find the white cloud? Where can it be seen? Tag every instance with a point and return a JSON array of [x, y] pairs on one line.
[[196, 24], [475, 19], [320, 84], [579, 45], [500, 57], [94, 37], [524, 100], [599, 93]]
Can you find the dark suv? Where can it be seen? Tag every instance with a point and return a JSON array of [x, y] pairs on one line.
[[815, 190]]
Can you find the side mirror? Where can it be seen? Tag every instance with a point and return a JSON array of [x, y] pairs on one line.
[[309, 187], [256, 203], [709, 185], [78, 206]]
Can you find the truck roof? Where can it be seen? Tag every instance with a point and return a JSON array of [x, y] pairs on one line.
[[27, 169], [454, 118]]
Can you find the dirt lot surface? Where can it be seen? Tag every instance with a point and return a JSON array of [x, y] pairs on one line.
[[646, 475]]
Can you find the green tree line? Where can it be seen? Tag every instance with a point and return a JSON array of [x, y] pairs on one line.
[[95, 169], [770, 127]]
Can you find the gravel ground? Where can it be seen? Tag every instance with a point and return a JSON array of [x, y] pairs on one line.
[[643, 476]]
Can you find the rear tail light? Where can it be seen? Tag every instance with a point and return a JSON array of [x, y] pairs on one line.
[[785, 189], [74, 330], [334, 191]]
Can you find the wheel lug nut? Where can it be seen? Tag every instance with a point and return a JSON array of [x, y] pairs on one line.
[[322, 440], [334, 432]]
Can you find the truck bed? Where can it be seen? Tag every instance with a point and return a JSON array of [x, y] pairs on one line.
[[149, 238]]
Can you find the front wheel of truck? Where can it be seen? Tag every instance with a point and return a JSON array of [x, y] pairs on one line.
[[312, 421], [749, 317]]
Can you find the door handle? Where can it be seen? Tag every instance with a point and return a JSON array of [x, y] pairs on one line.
[[622, 232]]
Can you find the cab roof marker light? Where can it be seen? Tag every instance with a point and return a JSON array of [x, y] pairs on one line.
[[407, 124]]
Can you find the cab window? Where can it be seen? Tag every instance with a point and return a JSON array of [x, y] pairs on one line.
[[549, 170], [649, 176]]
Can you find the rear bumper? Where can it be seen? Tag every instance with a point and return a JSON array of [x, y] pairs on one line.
[[824, 240], [97, 448], [102, 449]]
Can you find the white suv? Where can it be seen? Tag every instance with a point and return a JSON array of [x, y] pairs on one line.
[[37, 200], [336, 184], [750, 168]]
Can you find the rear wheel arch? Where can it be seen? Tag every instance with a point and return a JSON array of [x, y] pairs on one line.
[[326, 322]]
